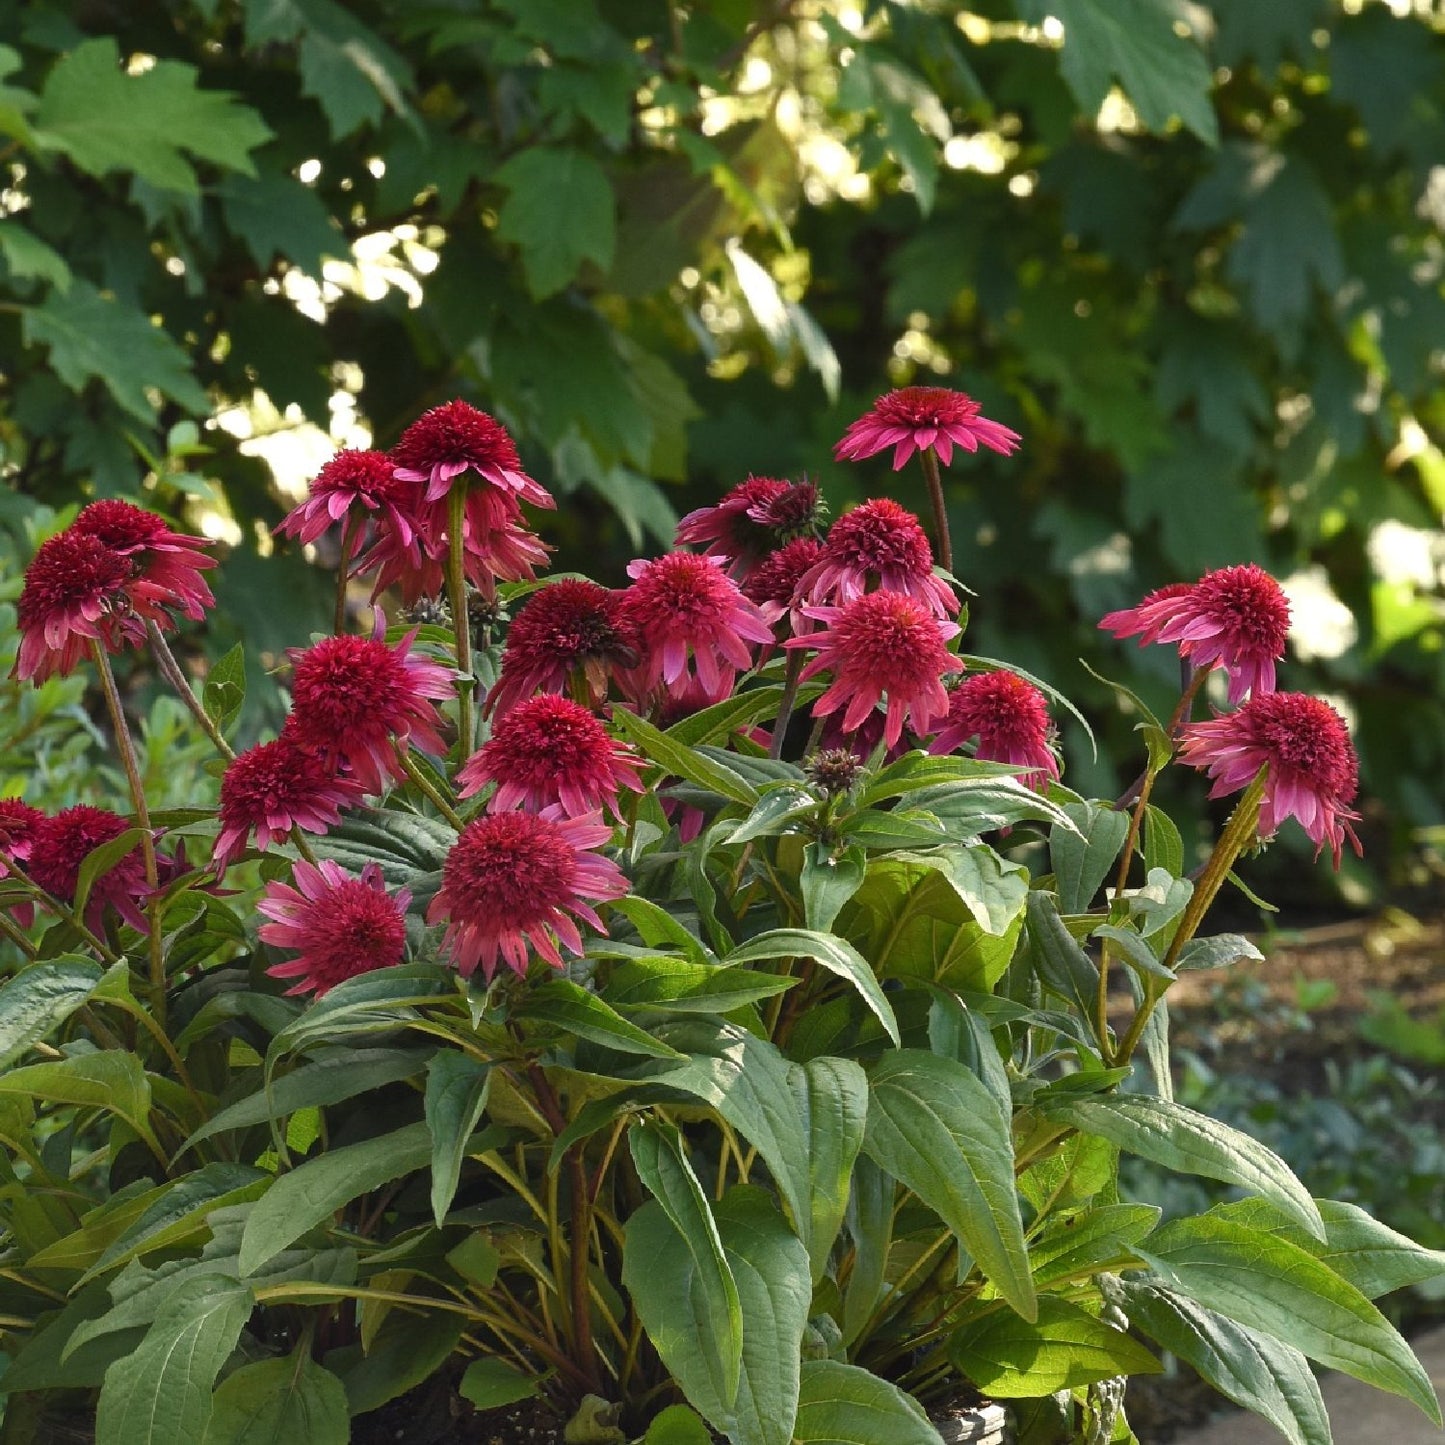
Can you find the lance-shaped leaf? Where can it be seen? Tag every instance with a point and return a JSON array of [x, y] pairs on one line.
[[844, 1405], [39, 999], [456, 1093], [832, 1100]]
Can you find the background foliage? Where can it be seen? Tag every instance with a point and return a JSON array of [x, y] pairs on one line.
[[1190, 251]]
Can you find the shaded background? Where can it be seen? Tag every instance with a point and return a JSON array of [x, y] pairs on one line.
[[1191, 252]]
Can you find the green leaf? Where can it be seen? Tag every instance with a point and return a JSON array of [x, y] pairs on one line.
[[657, 926], [844, 1405], [1262, 1374], [1163, 846], [1221, 951], [1078, 1246], [1178, 1138], [109, 1080], [99, 861], [375, 1002], [572, 1008], [161, 1394], [225, 689], [107, 120], [832, 1100], [1063, 967], [490, 1383], [1084, 855], [1064, 1349], [1263, 1281], [560, 210], [407, 1350], [828, 880], [39, 999], [456, 1093], [676, 985], [1164, 74], [677, 1425], [698, 1332], [983, 805], [346, 1074], [835, 954], [779, 810], [683, 762], [280, 1402], [936, 1127], [28, 257], [92, 335]]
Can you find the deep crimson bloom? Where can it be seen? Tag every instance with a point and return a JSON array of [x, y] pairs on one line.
[[571, 631], [356, 701], [340, 926], [1010, 718], [685, 606], [17, 830], [513, 879], [454, 438], [547, 752], [1313, 773], [882, 644], [756, 516], [879, 544], [274, 787], [59, 845], [167, 565], [359, 483], [918, 418], [775, 583], [74, 594], [1236, 618]]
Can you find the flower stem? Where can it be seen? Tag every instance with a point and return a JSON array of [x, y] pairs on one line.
[[461, 623], [940, 513], [429, 788], [171, 671], [64, 912], [14, 933], [348, 536], [125, 745], [298, 840], [785, 704]]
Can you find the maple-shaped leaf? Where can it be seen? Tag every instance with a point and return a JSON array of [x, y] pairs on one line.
[[27, 256], [107, 120], [1209, 364], [278, 216], [1370, 46], [1163, 73], [560, 211], [1265, 34], [93, 335]]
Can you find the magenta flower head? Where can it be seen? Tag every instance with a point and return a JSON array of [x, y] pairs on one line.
[[17, 831], [273, 787], [340, 926], [357, 701], [775, 584], [688, 610], [882, 644], [758, 515], [59, 845], [570, 632], [550, 752], [1312, 773], [1010, 719], [167, 565], [449, 440], [361, 485], [1236, 618], [517, 879], [923, 418], [879, 544]]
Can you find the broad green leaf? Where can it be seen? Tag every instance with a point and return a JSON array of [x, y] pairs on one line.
[[1163, 845], [1220, 951], [161, 1394], [560, 211], [1063, 1349], [1128, 946], [684, 762], [1370, 1255], [1263, 1281], [1084, 855], [30, 258], [656, 927], [569, 1006], [835, 954], [935, 1126], [1179, 1138], [456, 1093], [1063, 966], [1262, 1374], [225, 689], [870, 1227], [676, 985], [916, 770], [342, 1075], [375, 1002], [677, 1425], [39, 999], [106, 119], [90, 335], [779, 810], [844, 1405], [44, 1361], [489, 1383], [408, 1349], [108, 1080], [828, 880], [1080, 1245], [832, 1100], [697, 1332], [280, 1402], [983, 805]]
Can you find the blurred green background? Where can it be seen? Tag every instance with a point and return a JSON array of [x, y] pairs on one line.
[[1192, 252]]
